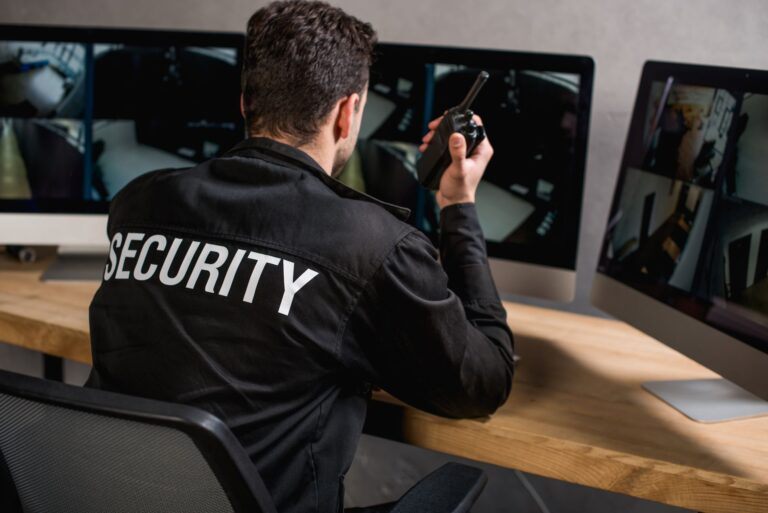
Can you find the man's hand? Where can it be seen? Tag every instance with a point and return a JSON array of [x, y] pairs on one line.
[[459, 182]]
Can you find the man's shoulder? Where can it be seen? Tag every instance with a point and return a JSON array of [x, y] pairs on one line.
[[143, 183], [361, 233], [141, 199]]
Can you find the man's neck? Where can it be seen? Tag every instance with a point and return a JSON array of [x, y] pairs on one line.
[[323, 155]]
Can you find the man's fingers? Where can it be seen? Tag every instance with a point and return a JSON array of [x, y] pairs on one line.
[[428, 137], [433, 124], [458, 147], [483, 151]]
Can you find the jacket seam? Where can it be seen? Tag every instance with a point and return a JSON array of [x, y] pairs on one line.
[[355, 300], [314, 475], [481, 301]]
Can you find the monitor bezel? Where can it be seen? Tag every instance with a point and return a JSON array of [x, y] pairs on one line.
[[653, 315], [581, 65]]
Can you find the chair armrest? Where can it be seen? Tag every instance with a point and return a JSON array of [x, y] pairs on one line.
[[453, 488]]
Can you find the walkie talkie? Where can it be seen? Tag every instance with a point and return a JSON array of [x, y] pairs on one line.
[[437, 157]]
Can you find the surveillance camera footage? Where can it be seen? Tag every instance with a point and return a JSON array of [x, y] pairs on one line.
[[690, 225], [42, 80], [78, 121], [42, 104], [530, 197], [689, 137]]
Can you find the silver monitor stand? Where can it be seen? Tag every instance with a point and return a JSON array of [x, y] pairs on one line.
[[708, 400], [76, 264]]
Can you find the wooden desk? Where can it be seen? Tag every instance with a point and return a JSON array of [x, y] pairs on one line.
[[48, 317], [577, 412]]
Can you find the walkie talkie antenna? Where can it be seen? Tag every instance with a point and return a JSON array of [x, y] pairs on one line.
[[472, 94]]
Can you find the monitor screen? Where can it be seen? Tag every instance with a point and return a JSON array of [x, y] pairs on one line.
[[84, 111], [689, 222], [535, 108]]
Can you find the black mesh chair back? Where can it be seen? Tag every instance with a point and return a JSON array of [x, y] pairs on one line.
[[70, 449]]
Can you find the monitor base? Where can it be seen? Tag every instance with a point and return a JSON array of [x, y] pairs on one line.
[[76, 267], [708, 400]]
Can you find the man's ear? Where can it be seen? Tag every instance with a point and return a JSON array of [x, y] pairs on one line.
[[348, 108]]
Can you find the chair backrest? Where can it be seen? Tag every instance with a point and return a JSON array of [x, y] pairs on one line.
[[71, 449]]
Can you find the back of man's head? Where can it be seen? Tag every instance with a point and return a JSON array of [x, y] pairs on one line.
[[300, 58]]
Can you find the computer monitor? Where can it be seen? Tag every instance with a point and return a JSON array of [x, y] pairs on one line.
[[535, 108], [84, 111], [685, 256]]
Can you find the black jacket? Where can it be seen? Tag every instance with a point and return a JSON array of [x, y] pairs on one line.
[[258, 288]]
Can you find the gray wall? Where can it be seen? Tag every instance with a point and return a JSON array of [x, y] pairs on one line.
[[619, 34]]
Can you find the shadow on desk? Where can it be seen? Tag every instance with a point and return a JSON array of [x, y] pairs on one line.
[[577, 413], [558, 394]]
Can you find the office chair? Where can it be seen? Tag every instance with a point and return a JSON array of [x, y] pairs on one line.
[[71, 449]]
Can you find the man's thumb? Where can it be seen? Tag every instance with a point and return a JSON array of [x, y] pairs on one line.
[[458, 148]]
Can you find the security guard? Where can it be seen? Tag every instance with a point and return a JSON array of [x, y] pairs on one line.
[[258, 287]]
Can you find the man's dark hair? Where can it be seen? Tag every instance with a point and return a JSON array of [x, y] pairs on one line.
[[300, 58]]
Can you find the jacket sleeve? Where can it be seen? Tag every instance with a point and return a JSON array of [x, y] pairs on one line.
[[434, 336]]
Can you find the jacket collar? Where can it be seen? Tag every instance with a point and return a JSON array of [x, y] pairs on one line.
[[262, 146]]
